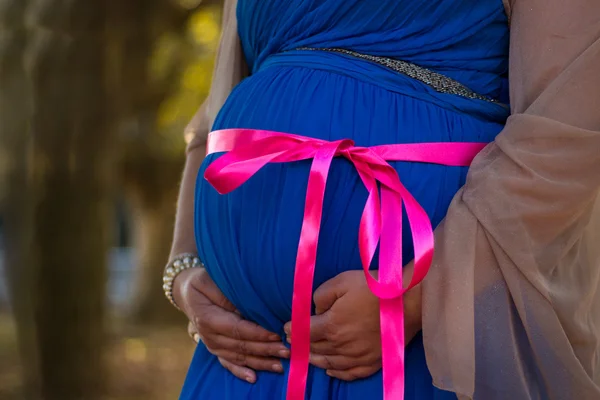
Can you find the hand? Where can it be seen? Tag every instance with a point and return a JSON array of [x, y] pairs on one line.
[[240, 345], [345, 332]]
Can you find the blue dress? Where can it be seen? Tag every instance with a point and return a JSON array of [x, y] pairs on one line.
[[248, 239]]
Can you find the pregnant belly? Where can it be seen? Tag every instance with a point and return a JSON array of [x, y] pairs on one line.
[[248, 239]]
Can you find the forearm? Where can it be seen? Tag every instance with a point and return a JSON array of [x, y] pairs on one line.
[[413, 303], [230, 69], [183, 235]]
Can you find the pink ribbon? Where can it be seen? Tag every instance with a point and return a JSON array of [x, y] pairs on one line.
[[381, 222]]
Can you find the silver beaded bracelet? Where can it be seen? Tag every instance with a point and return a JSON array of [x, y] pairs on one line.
[[174, 268]]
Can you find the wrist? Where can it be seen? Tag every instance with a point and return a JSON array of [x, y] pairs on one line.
[[413, 305], [181, 285], [413, 299], [174, 268]]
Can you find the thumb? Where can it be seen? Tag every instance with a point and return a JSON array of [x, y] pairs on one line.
[[327, 294], [318, 327], [207, 287]]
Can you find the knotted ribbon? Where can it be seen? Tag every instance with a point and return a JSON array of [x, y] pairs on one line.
[[249, 150]]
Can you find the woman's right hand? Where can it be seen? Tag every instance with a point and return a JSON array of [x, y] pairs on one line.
[[240, 345]]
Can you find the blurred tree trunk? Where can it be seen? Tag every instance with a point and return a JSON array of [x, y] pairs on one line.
[[149, 173], [16, 195], [153, 210], [72, 159]]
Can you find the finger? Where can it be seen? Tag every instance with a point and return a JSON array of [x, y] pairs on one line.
[[287, 328], [261, 349], [243, 373], [354, 373], [321, 328], [253, 362], [229, 324], [248, 330], [328, 293], [343, 348], [325, 348], [341, 363], [193, 332]]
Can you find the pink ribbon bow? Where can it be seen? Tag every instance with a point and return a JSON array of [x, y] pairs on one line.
[[381, 222]]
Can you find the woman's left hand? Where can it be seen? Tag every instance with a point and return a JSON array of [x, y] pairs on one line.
[[345, 332]]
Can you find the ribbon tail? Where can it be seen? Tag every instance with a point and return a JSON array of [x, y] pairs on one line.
[[370, 226], [392, 344], [304, 272], [392, 310], [422, 234]]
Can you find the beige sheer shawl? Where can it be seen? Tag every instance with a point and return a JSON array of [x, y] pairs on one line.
[[512, 303]]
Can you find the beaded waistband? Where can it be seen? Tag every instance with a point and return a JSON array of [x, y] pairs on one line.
[[435, 80]]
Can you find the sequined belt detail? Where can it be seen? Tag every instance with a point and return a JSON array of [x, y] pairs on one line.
[[435, 80]]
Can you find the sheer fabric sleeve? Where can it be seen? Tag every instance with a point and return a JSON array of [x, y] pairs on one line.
[[511, 307], [230, 69]]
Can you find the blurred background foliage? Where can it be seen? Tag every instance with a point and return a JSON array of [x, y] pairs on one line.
[[94, 98]]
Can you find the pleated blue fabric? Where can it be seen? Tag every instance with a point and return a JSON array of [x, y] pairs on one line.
[[248, 239]]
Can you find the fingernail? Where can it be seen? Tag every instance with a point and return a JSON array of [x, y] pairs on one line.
[[196, 338], [277, 368], [274, 337], [284, 353], [249, 379]]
